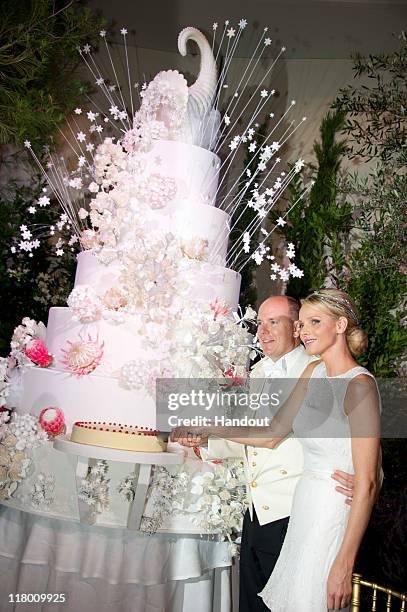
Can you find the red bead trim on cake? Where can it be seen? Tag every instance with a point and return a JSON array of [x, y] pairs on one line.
[[123, 429]]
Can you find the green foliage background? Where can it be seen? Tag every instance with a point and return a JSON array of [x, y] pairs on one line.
[[38, 58], [351, 232], [39, 87]]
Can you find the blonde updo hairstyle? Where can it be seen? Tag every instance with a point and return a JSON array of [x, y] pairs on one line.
[[340, 304]]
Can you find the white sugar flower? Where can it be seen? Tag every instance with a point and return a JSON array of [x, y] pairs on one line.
[[82, 213], [85, 304]]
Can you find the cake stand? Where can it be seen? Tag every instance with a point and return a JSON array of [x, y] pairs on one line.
[[86, 455]]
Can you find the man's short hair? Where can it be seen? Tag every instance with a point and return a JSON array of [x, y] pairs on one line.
[[294, 307]]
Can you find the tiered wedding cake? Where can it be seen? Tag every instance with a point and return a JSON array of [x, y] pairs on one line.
[[152, 296]]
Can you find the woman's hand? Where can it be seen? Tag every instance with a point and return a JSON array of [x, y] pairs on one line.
[[339, 586], [189, 438]]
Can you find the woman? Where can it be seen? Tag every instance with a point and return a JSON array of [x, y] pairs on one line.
[[334, 410], [314, 570]]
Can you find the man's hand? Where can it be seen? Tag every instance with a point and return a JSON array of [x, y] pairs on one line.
[[346, 482], [188, 438]]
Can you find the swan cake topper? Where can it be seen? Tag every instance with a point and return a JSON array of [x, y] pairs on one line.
[[171, 110]]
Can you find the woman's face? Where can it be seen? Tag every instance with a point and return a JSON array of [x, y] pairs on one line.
[[318, 329]]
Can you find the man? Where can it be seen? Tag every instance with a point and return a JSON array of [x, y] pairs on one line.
[[272, 474]]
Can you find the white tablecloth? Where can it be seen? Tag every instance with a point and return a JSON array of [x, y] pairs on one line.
[[110, 570]]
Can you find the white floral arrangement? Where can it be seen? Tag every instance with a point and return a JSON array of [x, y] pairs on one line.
[[27, 432], [19, 435], [162, 111], [4, 381], [215, 499], [85, 304], [94, 488], [219, 500], [127, 487], [165, 491], [164, 494], [43, 491], [28, 344], [196, 341]]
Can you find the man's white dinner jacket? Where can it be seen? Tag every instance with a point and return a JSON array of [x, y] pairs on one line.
[[272, 474]]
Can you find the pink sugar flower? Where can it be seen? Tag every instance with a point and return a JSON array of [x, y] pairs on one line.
[[219, 308], [83, 356], [38, 353], [52, 421]]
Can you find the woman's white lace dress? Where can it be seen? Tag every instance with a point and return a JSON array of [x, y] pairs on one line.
[[319, 514]]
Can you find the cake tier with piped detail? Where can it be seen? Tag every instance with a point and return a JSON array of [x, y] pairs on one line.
[[116, 435]]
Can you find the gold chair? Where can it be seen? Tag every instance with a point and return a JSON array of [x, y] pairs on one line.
[[358, 583]]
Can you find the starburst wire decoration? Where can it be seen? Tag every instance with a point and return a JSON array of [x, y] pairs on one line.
[[242, 110]]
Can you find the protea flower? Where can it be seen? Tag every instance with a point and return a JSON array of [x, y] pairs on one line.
[[52, 421], [83, 356], [38, 353]]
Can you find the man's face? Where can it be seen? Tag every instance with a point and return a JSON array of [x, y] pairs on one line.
[[276, 328]]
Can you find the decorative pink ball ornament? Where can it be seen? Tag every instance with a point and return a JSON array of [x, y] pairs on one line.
[[52, 421], [83, 356], [38, 353]]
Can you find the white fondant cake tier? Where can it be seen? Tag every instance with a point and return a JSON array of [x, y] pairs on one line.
[[93, 398], [208, 281], [195, 170], [191, 223], [122, 342]]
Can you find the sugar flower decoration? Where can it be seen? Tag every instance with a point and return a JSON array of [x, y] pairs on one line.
[[165, 99], [25, 434], [157, 190], [114, 299], [4, 382], [37, 352], [89, 239], [195, 248], [43, 491], [94, 488], [82, 356], [28, 339], [220, 308], [52, 421], [132, 375], [85, 304]]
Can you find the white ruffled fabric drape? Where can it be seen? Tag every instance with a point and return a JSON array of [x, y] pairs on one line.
[[110, 569]]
